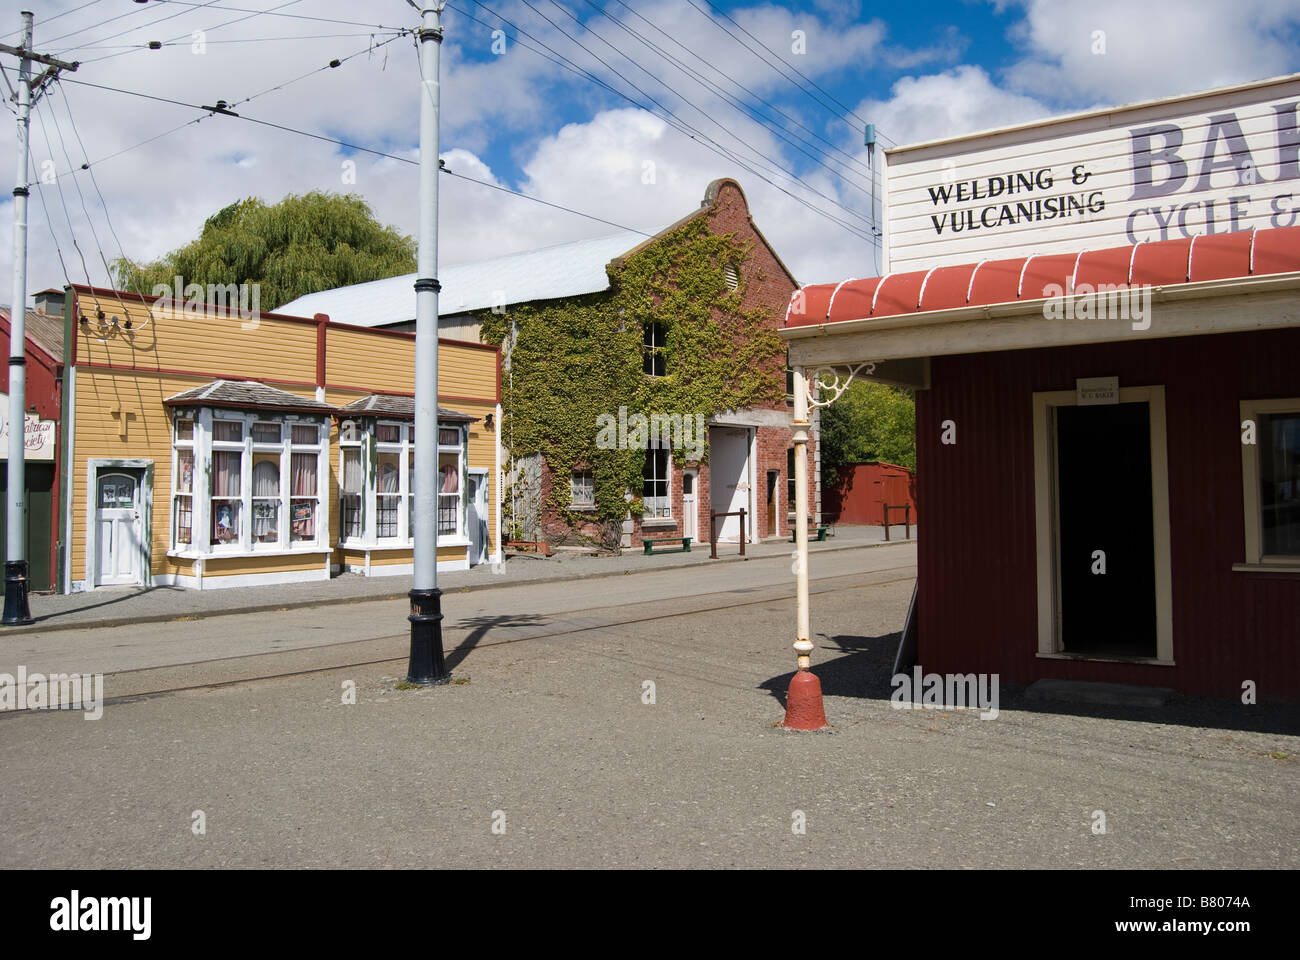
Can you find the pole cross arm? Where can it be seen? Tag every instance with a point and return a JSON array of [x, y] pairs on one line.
[[22, 53]]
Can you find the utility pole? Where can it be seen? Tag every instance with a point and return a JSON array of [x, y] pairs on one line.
[[17, 610], [426, 661]]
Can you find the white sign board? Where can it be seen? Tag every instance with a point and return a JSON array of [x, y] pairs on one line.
[[1096, 391], [1213, 163], [39, 434]]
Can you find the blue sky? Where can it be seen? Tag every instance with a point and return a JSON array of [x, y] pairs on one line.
[[517, 121]]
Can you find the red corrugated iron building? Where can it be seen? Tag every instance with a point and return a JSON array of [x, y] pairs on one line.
[[1109, 496]]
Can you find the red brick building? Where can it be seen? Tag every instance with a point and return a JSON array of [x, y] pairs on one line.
[[749, 463]]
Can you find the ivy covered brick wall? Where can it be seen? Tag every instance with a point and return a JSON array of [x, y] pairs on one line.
[[576, 359]]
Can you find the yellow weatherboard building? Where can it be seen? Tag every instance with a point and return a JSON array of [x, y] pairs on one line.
[[204, 446]]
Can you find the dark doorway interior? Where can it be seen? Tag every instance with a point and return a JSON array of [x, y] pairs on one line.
[[773, 480], [1103, 457]]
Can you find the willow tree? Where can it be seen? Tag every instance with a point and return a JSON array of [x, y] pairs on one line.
[[300, 245]]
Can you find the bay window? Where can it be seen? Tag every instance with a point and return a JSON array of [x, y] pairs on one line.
[[250, 480], [377, 481]]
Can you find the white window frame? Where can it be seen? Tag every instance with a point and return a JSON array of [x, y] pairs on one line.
[[1256, 559], [574, 502], [180, 446], [668, 486], [369, 448], [203, 446]]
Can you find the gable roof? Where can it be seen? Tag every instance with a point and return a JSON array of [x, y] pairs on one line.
[[246, 395], [562, 270]]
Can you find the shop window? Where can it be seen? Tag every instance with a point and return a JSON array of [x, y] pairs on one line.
[[790, 497], [260, 490], [1271, 480], [389, 489], [655, 483]]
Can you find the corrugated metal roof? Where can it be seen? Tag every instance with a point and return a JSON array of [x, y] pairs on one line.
[[1248, 253], [564, 270]]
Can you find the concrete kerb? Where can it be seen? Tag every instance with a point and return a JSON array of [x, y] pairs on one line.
[[44, 627]]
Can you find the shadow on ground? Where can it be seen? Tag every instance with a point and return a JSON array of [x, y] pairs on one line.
[[861, 667], [124, 595], [480, 627]]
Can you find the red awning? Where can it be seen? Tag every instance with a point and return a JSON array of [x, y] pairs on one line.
[[1249, 253]]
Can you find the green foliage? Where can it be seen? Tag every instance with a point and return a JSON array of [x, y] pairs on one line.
[[871, 421], [576, 359], [303, 244]]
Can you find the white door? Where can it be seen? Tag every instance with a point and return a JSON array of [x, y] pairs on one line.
[[118, 528], [729, 479], [476, 497], [690, 512]]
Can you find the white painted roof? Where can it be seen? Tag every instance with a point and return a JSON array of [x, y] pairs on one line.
[[564, 270]]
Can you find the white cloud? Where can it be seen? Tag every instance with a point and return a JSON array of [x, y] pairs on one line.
[[1155, 48]]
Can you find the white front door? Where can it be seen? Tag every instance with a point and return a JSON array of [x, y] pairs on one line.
[[476, 497], [729, 479], [690, 512], [118, 528]]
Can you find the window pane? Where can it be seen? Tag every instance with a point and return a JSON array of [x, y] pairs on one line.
[[225, 521], [302, 475], [388, 433], [583, 489], [228, 431], [654, 490], [226, 466], [266, 527], [184, 429], [266, 475], [350, 510], [266, 433], [184, 513], [185, 471], [1279, 483], [449, 436], [308, 433], [448, 492], [302, 520], [352, 478]]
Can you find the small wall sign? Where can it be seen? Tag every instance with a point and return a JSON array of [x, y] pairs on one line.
[[1092, 391]]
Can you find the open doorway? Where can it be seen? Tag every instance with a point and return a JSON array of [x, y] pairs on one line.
[[1103, 527]]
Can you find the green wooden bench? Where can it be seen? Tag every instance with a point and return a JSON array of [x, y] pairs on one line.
[[817, 535], [651, 544]]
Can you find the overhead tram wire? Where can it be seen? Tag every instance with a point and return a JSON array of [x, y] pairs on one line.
[[689, 130], [121, 251], [758, 154], [351, 146], [14, 33], [196, 120], [99, 247], [178, 43], [291, 16], [767, 103], [180, 36], [699, 78]]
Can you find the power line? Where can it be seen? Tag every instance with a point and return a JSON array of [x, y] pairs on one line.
[[292, 16], [14, 33], [678, 124], [218, 26], [731, 100], [343, 143], [181, 43]]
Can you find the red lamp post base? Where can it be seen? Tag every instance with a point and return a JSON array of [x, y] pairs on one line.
[[803, 703]]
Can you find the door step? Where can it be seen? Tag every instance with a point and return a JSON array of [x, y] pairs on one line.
[[1108, 694]]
